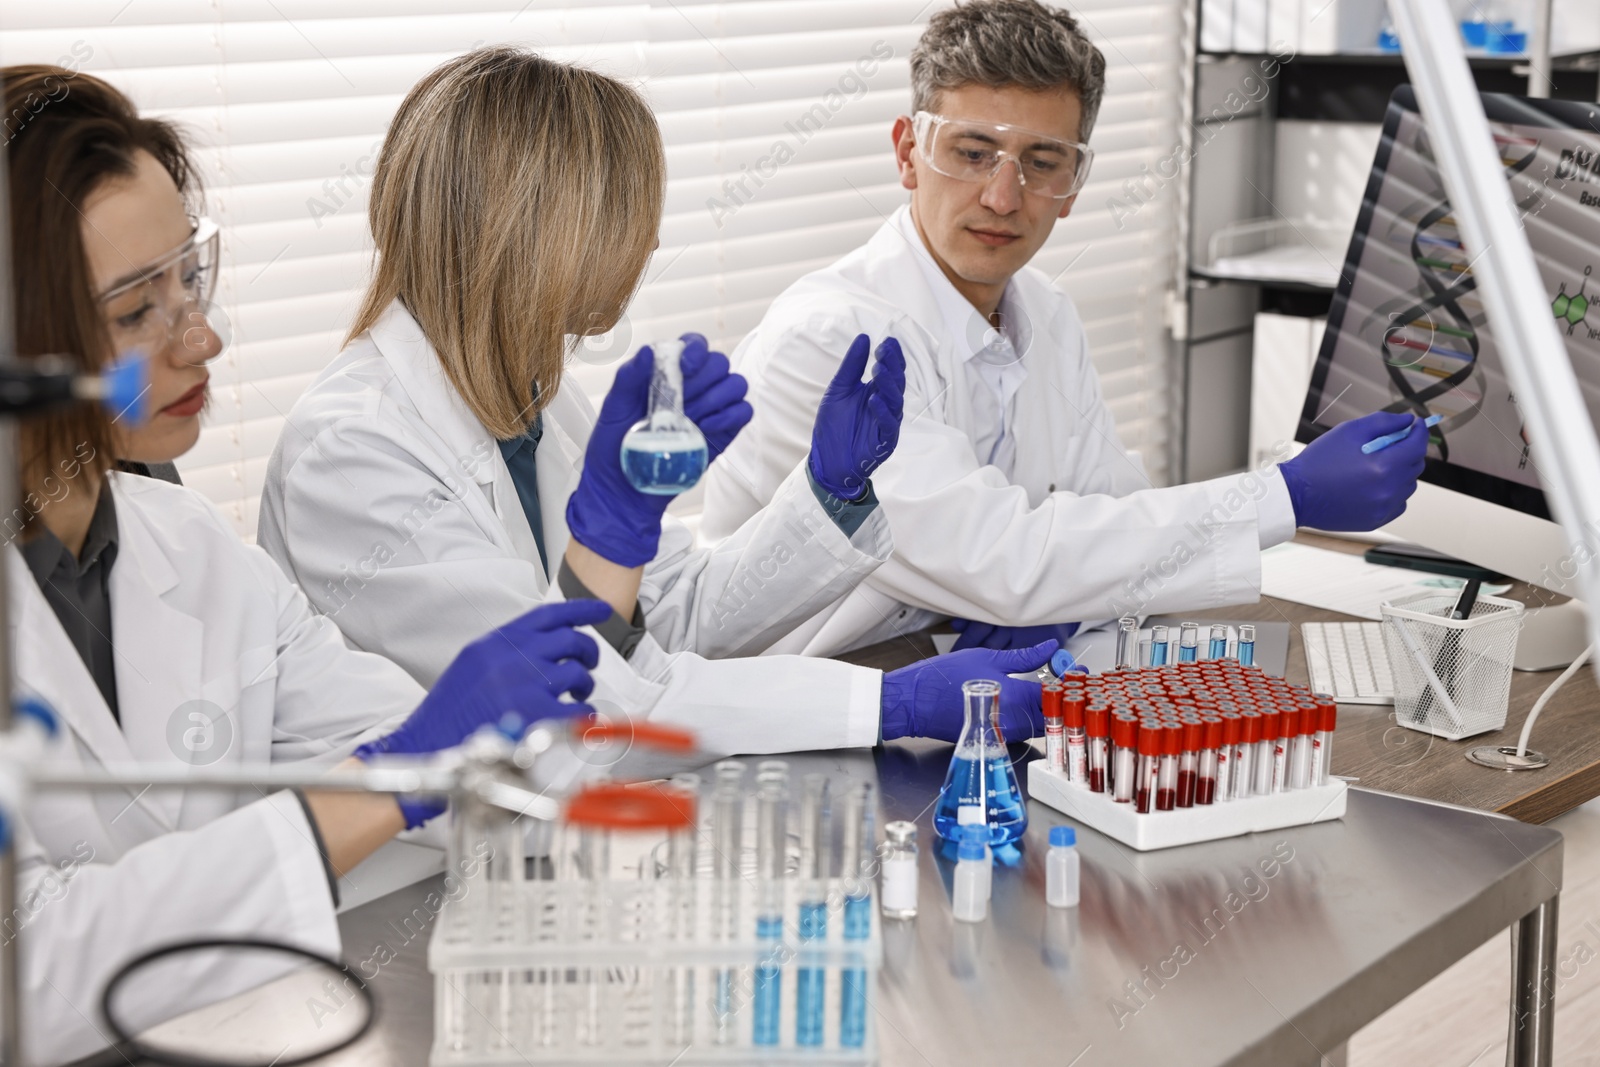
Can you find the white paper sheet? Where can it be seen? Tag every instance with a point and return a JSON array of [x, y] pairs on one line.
[[1338, 581]]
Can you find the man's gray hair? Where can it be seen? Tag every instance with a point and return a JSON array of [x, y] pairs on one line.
[[1000, 43]]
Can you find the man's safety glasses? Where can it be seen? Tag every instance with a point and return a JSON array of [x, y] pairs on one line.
[[975, 151], [168, 300]]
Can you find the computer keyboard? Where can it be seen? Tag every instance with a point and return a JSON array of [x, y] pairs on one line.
[[1347, 659]]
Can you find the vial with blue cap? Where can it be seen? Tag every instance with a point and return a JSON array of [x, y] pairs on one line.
[[972, 881], [1061, 868], [665, 453]]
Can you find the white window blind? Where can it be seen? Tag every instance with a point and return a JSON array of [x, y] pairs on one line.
[[775, 115]]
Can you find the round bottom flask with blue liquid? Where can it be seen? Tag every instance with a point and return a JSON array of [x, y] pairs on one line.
[[981, 786], [665, 453]]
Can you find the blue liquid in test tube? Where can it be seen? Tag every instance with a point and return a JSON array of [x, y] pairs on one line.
[[769, 981], [1247, 646], [1158, 646], [1189, 642], [770, 834], [853, 1011], [811, 983], [1219, 643]]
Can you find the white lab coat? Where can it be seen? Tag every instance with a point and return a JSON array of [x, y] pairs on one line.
[[203, 626], [389, 502], [1076, 533]]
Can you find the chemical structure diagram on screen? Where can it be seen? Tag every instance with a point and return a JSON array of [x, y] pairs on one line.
[[1573, 309]]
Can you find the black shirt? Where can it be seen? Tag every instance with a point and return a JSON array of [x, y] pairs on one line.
[[78, 590]]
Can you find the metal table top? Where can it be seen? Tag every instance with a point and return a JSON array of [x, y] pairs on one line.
[[1259, 950]]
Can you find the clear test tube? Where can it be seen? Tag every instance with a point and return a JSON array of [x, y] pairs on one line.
[[1054, 727], [1149, 757], [1189, 762], [1219, 642], [727, 842], [1244, 755], [681, 872], [1158, 646], [771, 804], [1322, 742], [1247, 646], [1189, 642], [811, 982], [855, 829], [1205, 782], [1124, 759], [1300, 749], [1127, 643], [1097, 725], [594, 863], [1266, 753], [1167, 769], [1077, 741]]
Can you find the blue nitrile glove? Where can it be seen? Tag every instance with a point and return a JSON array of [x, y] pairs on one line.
[[924, 699], [607, 514], [858, 423], [1334, 486], [521, 669], [713, 396], [988, 635]]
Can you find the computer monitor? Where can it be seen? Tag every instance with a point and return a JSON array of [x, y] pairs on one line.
[[1407, 332]]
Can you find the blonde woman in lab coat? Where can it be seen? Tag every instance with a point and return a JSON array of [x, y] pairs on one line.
[[428, 482], [157, 636]]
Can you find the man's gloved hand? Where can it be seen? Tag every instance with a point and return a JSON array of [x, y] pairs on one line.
[[924, 699], [607, 514], [988, 635], [1335, 486], [858, 423], [522, 669]]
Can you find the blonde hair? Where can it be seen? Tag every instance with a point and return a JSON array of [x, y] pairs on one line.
[[515, 202]]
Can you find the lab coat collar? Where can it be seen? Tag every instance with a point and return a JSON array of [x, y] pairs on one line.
[[970, 333], [156, 680], [415, 363]]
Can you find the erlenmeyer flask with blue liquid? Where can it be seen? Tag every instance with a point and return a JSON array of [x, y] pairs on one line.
[[665, 453], [981, 786]]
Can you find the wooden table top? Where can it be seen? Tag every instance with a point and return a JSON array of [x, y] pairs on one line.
[[1370, 746]]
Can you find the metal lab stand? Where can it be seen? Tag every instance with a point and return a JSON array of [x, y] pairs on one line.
[[1362, 913]]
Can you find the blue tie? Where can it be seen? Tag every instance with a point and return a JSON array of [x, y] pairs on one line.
[[518, 454]]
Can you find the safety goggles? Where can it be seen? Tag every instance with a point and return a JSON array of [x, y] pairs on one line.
[[168, 300], [975, 151]]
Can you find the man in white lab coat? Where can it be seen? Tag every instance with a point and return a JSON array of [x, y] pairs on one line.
[[1014, 506]]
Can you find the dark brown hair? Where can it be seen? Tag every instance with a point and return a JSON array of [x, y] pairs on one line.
[[68, 133]]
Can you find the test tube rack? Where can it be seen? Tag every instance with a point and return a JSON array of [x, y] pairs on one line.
[[1199, 710], [1184, 826], [642, 968]]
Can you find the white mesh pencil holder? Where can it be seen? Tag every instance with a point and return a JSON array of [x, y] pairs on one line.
[[1469, 659]]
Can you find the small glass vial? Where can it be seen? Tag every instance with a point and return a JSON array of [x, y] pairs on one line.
[[898, 898], [1219, 643], [1061, 868], [970, 899]]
